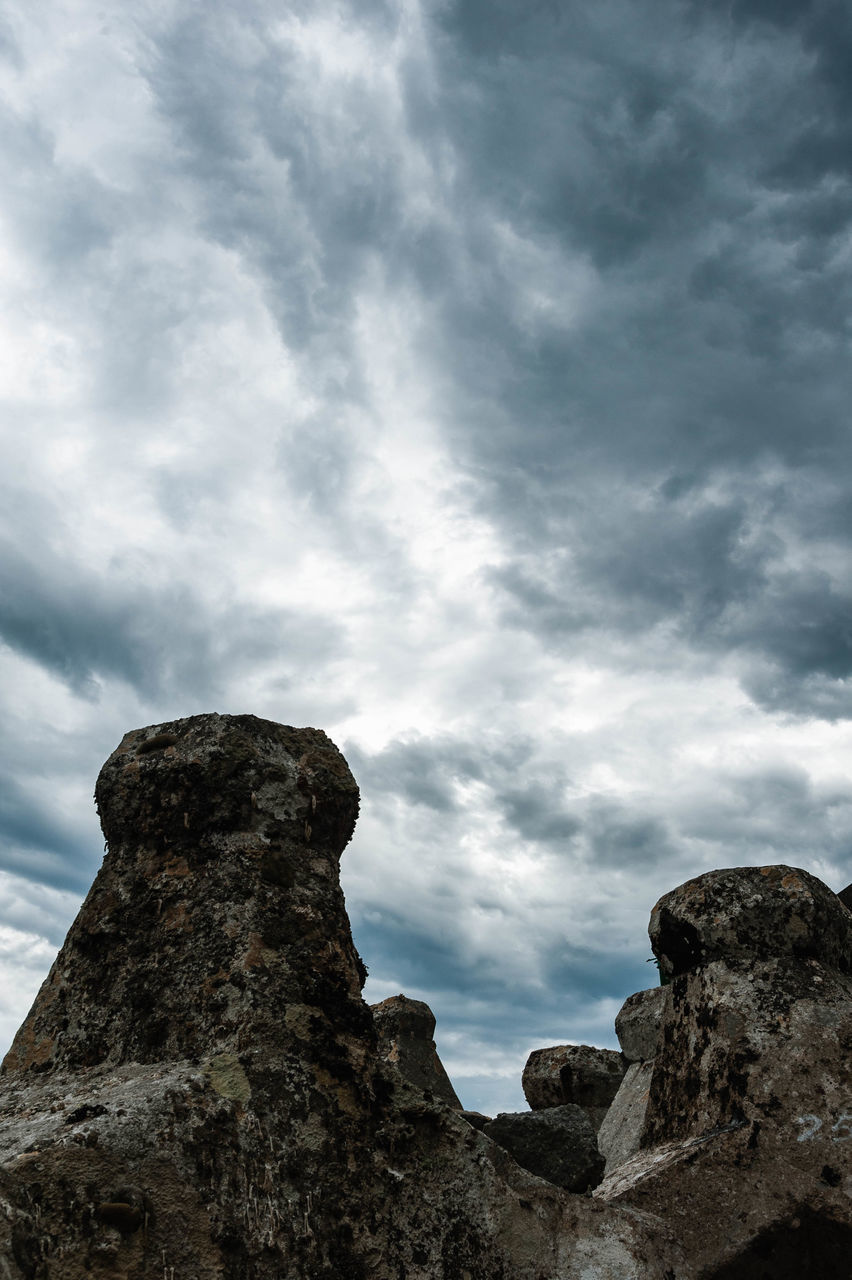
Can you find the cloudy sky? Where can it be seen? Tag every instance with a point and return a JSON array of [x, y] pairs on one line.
[[470, 379]]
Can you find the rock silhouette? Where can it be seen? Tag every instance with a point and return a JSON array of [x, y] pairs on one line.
[[199, 1092]]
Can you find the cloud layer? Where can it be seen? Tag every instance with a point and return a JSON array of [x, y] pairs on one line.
[[470, 380]]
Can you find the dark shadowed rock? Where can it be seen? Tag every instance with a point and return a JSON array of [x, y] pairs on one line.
[[556, 1143], [845, 896], [638, 1023], [758, 912], [404, 1029], [217, 906], [477, 1119], [577, 1073], [197, 1092]]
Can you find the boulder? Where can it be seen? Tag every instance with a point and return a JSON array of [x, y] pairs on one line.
[[404, 1028], [576, 1073], [555, 1143], [638, 1023], [753, 913], [845, 896]]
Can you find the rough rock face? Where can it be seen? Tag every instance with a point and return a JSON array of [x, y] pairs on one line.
[[576, 1073], [749, 1113], [620, 1134], [639, 1021], [750, 913], [637, 1025], [557, 1143], [845, 896], [404, 1029], [197, 1093]]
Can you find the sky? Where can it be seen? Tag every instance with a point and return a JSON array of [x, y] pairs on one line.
[[469, 379]]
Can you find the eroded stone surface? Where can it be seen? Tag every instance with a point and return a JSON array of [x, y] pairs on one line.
[[749, 1111], [638, 1023], [198, 1088], [759, 912], [620, 1134], [575, 1073], [555, 1143], [404, 1028]]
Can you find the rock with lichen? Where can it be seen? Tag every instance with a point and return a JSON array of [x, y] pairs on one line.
[[748, 1114], [197, 1090], [580, 1074], [404, 1029]]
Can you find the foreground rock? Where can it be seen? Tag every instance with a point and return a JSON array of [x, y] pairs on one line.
[[573, 1073], [404, 1028], [197, 1092], [556, 1143]]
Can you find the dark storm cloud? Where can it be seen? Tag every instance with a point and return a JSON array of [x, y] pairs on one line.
[[35, 845], [163, 640], [717, 334]]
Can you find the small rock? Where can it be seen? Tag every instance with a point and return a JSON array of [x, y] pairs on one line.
[[556, 1143], [754, 913], [638, 1022], [576, 1073]]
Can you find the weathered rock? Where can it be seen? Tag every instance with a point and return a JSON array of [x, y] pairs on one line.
[[749, 1114], [576, 1073], [620, 1134], [197, 1090], [555, 1143], [638, 1023], [845, 896], [404, 1028], [755, 912]]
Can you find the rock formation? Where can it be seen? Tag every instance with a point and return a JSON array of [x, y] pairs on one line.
[[746, 1138], [637, 1025], [198, 1090], [405, 1028], [575, 1073]]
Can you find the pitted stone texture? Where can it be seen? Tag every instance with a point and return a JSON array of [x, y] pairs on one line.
[[557, 1144], [620, 1134], [405, 1028], [750, 912], [576, 1073], [751, 1041], [638, 1023], [218, 905]]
